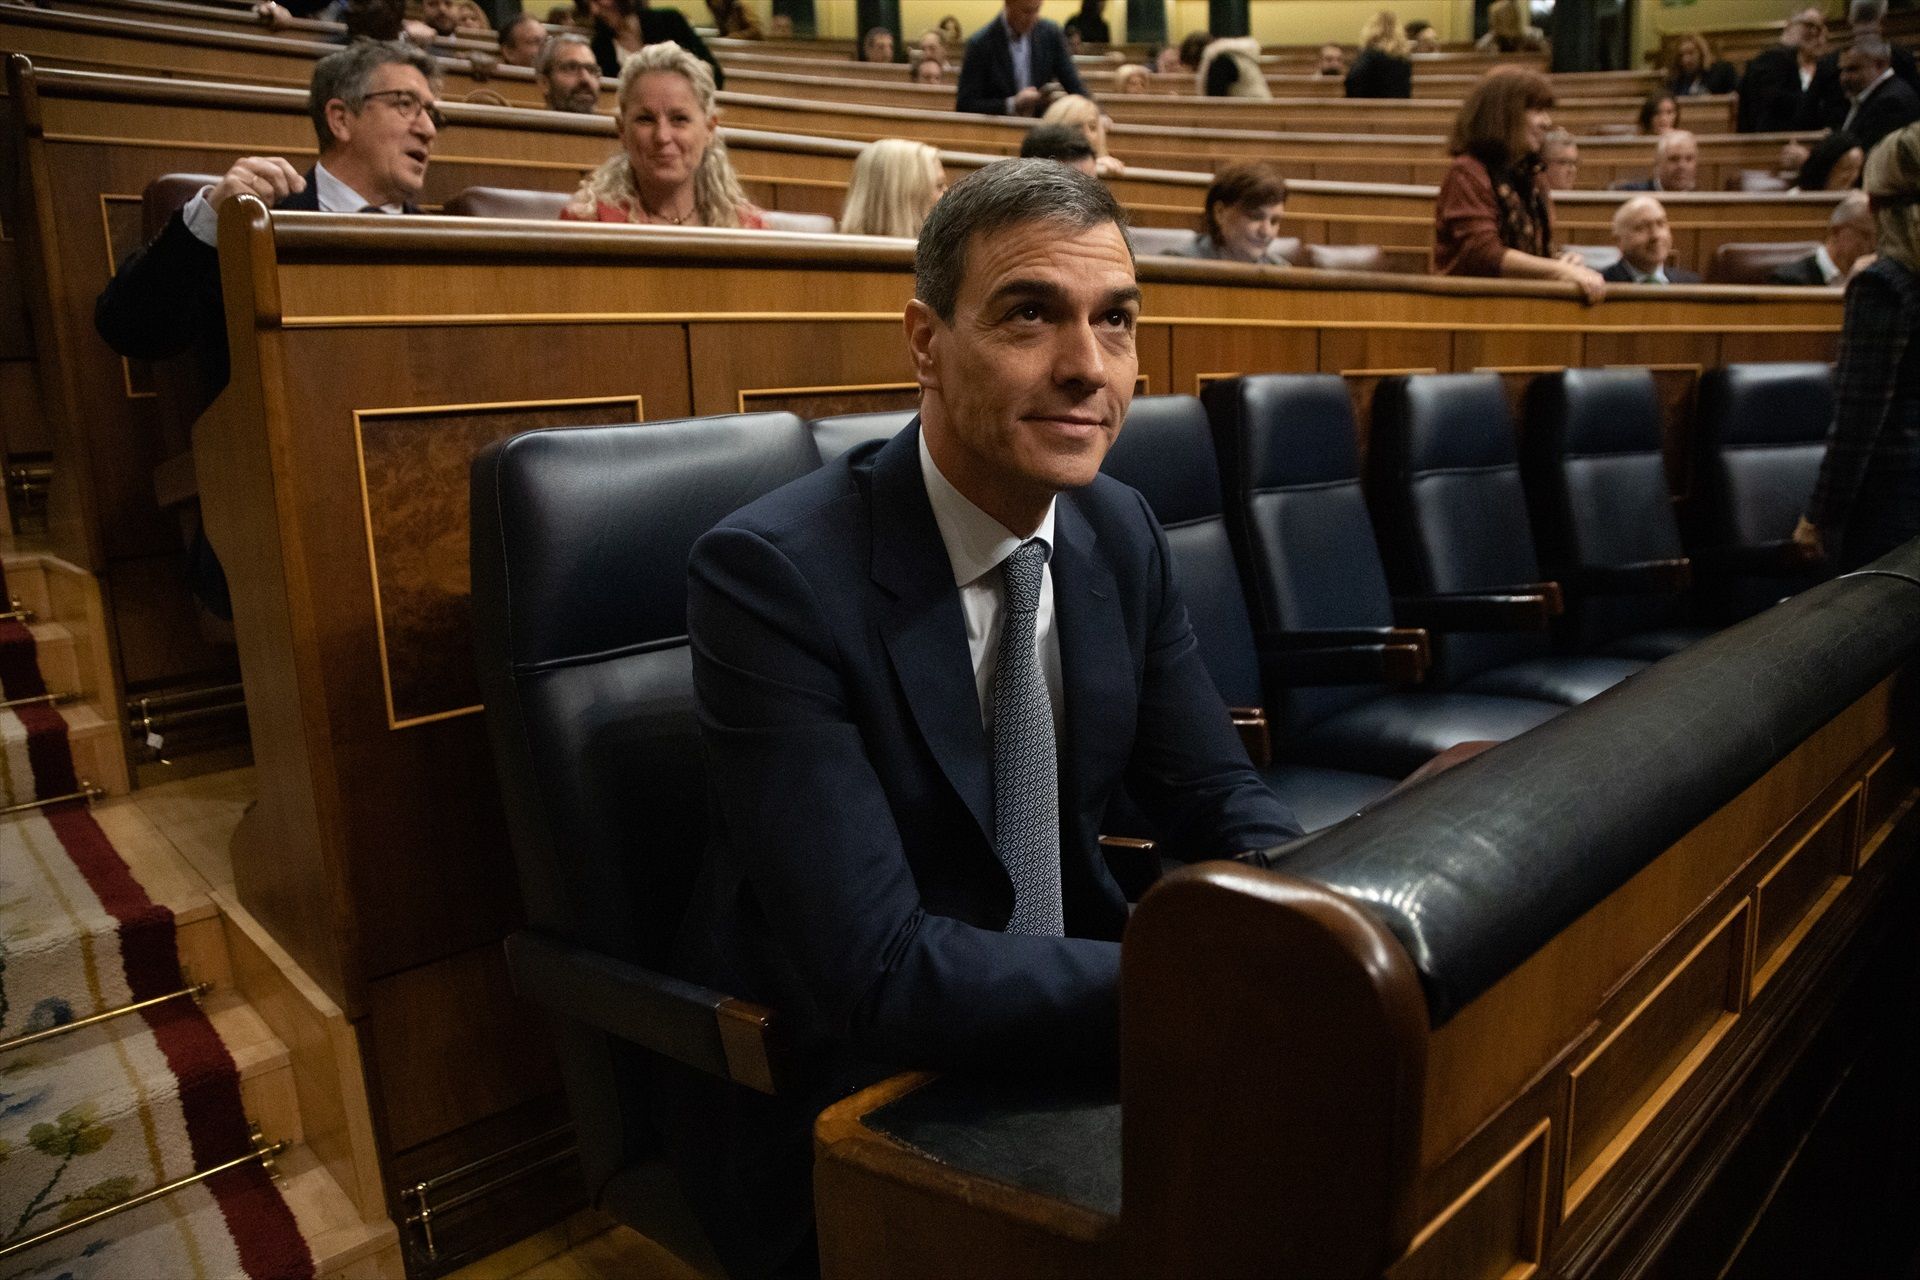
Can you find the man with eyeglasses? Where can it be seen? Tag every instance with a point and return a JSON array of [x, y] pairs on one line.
[[374, 111], [569, 75], [1775, 90]]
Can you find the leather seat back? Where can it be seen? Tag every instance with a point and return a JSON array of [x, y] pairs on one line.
[[1297, 517], [1148, 241], [507, 202], [1754, 263], [1443, 481], [1596, 477], [847, 431], [166, 195], [781, 220], [1347, 257], [1166, 452]]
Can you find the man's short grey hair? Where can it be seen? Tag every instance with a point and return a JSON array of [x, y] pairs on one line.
[[1864, 13], [1873, 48], [345, 75], [1667, 141], [993, 198], [1628, 208], [543, 65], [1854, 207]]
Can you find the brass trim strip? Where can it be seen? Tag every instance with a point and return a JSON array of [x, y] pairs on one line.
[[106, 1015], [37, 700], [87, 792]]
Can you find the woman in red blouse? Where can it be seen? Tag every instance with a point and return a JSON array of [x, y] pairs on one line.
[[1493, 216], [672, 167]]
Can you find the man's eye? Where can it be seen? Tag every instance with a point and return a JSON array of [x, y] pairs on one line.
[[1120, 318], [1026, 311]]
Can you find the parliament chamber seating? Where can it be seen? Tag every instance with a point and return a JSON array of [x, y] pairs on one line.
[[837, 434], [1443, 481], [1761, 180], [1739, 263], [1596, 482]]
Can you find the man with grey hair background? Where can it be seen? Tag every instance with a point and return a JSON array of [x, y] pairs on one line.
[[1676, 164], [1827, 101], [1774, 91], [1878, 102], [1848, 247], [922, 672], [569, 75]]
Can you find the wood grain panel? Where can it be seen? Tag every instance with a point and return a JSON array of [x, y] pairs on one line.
[[839, 353], [1889, 793], [1791, 895], [1206, 353], [1496, 1229]]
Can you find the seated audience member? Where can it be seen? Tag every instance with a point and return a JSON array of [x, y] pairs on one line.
[[949, 29], [1072, 37], [383, 20], [895, 185], [1090, 23], [780, 27], [1508, 30], [1867, 499], [1646, 242], [1560, 161], [1881, 103], [521, 40], [1659, 113], [1080, 113], [1676, 165], [468, 16], [1132, 78], [1422, 37], [1012, 61], [1242, 216], [442, 15], [1382, 68], [1848, 247], [621, 28], [1062, 143], [909, 886], [1828, 101], [1696, 71], [1333, 60], [932, 47], [1774, 88], [1164, 59], [732, 18], [1493, 217], [672, 168], [1832, 164], [927, 71], [569, 75], [876, 45], [1193, 46], [1231, 69]]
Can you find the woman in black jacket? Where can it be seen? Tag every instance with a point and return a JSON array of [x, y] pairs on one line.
[[1383, 69], [621, 27], [1696, 71]]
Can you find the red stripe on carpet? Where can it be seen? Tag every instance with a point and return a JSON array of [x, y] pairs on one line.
[[48, 753], [19, 659], [147, 951]]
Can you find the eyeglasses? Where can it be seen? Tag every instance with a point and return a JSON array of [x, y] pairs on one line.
[[409, 106]]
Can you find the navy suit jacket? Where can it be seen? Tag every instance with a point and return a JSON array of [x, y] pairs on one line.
[[986, 73], [1621, 273]]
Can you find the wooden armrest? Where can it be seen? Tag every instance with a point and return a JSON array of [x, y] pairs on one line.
[[1524, 607], [1134, 864], [707, 1030], [1765, 559], [1354, 655], [1254, 734], [1648, 577]]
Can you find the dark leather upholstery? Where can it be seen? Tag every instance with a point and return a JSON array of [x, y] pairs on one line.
[[836, 435], [166, 195], [1596, 478], [1444, 485], [1347, 257], [1753, 263], [1760, 433], [507, 202], [580, 543], [1148, 241]]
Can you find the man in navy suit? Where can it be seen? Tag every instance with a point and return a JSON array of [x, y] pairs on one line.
[[1011, 60], [922, 673], [1646, 242]]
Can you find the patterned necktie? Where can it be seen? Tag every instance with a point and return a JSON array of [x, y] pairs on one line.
[[1026, 791]]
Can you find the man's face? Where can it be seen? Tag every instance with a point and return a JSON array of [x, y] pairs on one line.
[[1644, 238], [440, 15], [572, 82], [522, 46], [880, 46], [379, 142], [1857, 71], [1563, 167], [1028, 385], [1808, 32], [1021, 15], [1167, 62], [1679, 168], [1333, 62], [927, 71]]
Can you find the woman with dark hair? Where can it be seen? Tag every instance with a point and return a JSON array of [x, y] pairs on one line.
[[622, 28], [1242, 216], [1834, 164], [1697, 71], [1493, 217], [1659, 114], [1091, 22]]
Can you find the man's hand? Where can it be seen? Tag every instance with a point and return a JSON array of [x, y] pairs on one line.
[[1807, 537], [1026, 102], [271, 14], [1792, 156], [269, 177]]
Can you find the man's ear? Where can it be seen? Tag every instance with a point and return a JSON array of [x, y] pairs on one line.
[[922, 327], [339, 121]]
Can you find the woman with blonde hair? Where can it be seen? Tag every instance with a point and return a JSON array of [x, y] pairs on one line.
[[895, 185], [672, 167], [1132, 78], [1867, 500], [1383, 69], [1080, 113], [1697, 71]]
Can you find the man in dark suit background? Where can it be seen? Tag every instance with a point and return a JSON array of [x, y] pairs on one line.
[[1676, 165], [1851, 235], [1827, 103], [922, 673], [1774, 89], [1645, 239], [1881, 102], [1011, 60]]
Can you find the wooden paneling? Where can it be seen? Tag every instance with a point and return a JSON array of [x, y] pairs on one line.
[[1791, 895], [1496, 1228], [1204, 353]]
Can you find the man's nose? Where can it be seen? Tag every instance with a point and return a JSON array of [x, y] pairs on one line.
[[1079, 360]]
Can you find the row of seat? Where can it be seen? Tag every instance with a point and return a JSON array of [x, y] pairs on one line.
[[1737, 262]]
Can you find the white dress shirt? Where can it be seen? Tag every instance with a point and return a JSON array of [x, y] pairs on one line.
[[1829, 269], [203, 220], [976, 544]]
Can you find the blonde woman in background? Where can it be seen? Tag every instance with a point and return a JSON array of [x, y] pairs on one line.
[[1080, 113], [1383, 69], [672, 167], [1132, 78], [895, 185]]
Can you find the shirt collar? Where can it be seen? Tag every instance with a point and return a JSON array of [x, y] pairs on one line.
[[1656, 276], [976, 542], [336, 196], [1881, 79], [1829, 269], [1012, 38]]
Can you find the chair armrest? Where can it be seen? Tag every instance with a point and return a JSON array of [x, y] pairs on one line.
[[1765, 559], [1347, 655], [1647, 577], [1251, 722], [707, 1030], [1133, 863], [1528, 606]]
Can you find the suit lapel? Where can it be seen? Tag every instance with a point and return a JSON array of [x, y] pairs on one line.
[[923, 627], [1003, 49], [1096, 665]]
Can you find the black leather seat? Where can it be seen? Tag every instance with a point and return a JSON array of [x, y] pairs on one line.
[[580, 544], [1297, 518], [1596, 482], [1444, 487], [1759, 434], [836, 435]]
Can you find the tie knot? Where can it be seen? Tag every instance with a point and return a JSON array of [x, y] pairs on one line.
[[1021, 572]]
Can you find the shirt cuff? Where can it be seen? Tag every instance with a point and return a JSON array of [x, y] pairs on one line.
[[202, 220]]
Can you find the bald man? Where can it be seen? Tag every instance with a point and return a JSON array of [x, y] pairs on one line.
[[1646, 242]]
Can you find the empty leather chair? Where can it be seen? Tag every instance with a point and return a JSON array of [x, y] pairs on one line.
[[1347, 257], [1444, 489], [1596, 481], [1739, 263], [507, 202], [1297, 519], [1148, 241], [835, 435], [1760, 433], [782, 220], [579, 550]]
